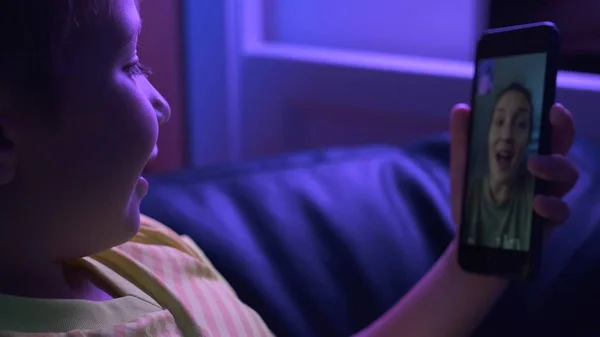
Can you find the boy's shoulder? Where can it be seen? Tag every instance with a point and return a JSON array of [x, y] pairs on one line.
[[174, 272]]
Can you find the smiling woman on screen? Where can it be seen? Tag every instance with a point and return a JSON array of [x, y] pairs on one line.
[[499, 203]]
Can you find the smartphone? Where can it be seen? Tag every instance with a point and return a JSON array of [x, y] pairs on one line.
[[513, 90]]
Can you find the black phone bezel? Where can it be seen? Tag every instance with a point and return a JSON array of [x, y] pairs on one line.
[[511, 41]]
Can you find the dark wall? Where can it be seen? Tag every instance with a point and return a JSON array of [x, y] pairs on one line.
[[577, 20]]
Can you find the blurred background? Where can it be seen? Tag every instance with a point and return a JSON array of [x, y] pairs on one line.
[[253, 78]]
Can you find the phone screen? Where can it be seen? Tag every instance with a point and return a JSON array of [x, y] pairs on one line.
[[505, 131]]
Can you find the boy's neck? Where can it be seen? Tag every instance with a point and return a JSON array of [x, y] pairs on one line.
[[50, 281]]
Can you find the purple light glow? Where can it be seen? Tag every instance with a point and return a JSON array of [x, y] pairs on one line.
[[399, 63], [437, 28]]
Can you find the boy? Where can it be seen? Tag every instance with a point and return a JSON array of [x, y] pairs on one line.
[[78, 124]]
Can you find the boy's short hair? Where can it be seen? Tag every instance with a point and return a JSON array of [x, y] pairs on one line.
[[34, 35]]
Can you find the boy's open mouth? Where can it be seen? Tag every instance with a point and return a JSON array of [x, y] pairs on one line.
[[504, 159]]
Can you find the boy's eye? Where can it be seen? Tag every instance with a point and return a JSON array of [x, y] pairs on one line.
[[137, 69]]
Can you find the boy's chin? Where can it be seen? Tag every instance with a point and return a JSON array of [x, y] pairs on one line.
[[131, 224], [123, 234]]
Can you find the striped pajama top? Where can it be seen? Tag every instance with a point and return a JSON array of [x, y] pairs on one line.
[[166, 286]]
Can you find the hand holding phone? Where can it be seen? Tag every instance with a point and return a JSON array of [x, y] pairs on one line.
[[513, 92]]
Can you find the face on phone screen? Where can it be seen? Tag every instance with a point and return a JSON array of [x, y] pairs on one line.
[[507, 110]]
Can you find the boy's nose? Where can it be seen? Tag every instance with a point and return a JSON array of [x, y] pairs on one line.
[[162, 108]]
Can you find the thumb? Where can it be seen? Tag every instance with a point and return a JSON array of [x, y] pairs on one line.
[[459, 142]]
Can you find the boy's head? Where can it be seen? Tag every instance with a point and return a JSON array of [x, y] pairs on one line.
[[78, 124]]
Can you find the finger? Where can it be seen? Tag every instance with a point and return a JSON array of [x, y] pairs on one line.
[[459, 140], [563, 129], [557, 170], [551, 208]]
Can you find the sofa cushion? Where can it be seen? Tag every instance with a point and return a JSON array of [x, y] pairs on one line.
[[322, 243]]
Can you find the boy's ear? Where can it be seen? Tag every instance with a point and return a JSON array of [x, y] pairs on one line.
[[8, 157], [8, 135]]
